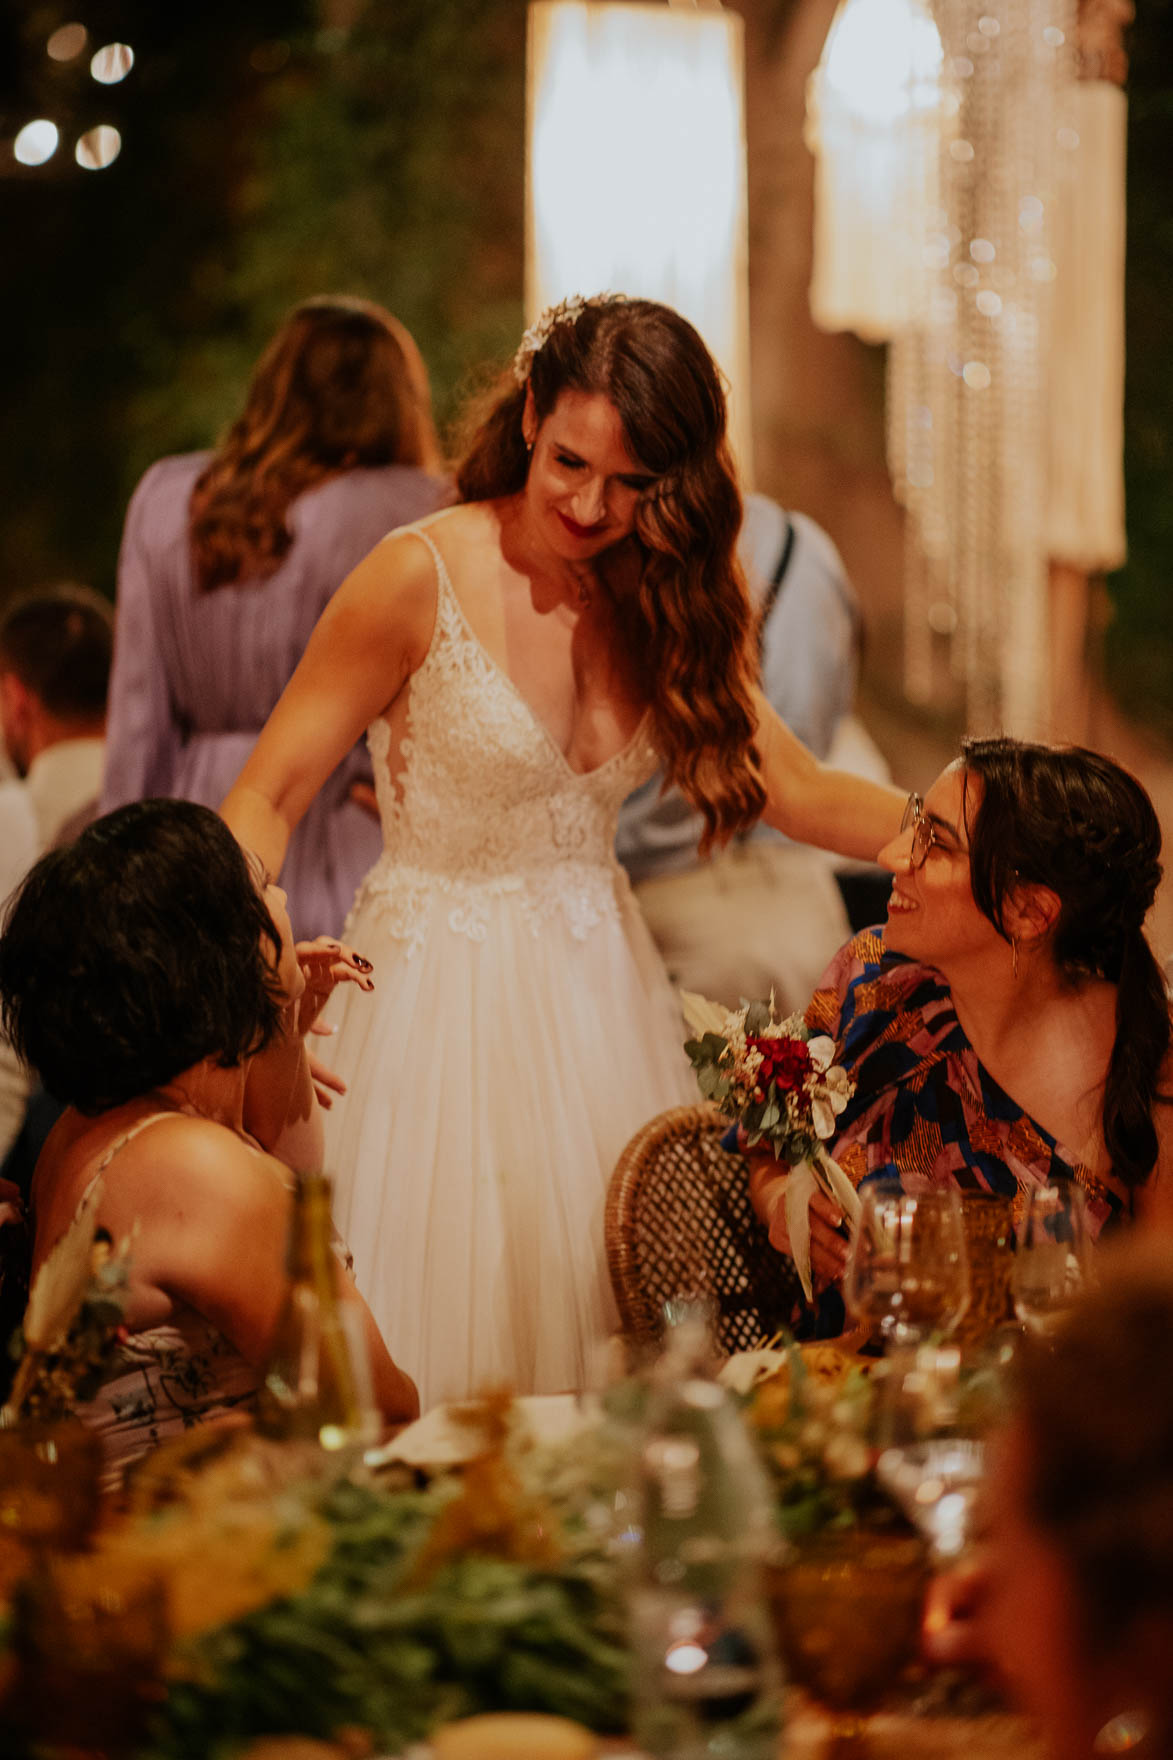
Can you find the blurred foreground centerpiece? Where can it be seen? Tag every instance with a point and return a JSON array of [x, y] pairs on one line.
[[847, 1592], [317, 1384], [706, 1680]]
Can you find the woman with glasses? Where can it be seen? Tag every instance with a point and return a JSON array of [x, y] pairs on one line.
[[1009, 1024]]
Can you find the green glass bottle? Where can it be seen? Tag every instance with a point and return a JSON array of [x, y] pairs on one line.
[[317, 1383]]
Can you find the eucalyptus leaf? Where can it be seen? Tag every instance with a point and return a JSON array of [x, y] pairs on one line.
[[800, 1189], [837, 1186]]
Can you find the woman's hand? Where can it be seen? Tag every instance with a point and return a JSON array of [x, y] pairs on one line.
[[326, 963], [950, 1634], [767, 1191], [327, 1082]]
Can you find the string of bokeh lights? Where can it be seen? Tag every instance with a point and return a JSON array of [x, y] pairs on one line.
[[95, 149]]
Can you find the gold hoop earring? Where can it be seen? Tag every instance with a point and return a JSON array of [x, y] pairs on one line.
[[1014, 955]]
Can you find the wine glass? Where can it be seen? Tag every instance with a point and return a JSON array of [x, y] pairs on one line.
[[1051, 1266], [908, 1270], [933, 1460]]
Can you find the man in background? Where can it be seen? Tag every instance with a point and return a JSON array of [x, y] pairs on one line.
[[764, 913], [55, 651]]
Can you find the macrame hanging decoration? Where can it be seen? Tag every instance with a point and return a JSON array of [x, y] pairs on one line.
[[970, 355]]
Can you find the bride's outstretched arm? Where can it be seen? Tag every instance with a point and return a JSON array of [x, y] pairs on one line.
[[815, 804], [367, 643]]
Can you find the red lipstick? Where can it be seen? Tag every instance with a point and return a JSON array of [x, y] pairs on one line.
[[577, 531]]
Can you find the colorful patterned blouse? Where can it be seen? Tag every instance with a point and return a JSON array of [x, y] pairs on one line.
[[924, 1107]]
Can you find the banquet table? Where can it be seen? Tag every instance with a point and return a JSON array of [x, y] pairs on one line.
[[438, 1440]]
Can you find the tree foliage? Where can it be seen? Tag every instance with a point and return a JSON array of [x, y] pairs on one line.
[[264, 159], [1140, 638]]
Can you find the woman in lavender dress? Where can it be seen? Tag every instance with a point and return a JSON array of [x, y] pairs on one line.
[[229, 558]]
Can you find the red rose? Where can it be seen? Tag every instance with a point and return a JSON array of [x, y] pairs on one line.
[[785, 1062]]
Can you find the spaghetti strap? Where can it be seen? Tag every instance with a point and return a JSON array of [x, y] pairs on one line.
[[117, 1146], [444, 587], [417, 531]]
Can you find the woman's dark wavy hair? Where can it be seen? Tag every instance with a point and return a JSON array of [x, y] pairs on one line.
[[692, 627], [339, 386], [1070, 819], [137, 951]]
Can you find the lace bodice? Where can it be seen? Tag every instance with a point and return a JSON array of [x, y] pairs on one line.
[[485, 803]]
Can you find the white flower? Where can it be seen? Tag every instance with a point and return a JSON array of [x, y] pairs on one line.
[[822, 1051], [839, 1088], [822, 1117], [745, 1369]]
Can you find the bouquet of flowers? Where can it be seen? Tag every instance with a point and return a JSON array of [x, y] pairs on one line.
[[779, 1082]]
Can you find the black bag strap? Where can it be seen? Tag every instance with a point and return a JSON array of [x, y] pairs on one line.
[[776, 579]]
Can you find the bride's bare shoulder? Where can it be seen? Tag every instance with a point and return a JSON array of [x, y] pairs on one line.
[[461, 535]]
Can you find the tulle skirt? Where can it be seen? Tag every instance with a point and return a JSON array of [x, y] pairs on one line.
[[491, 1086]]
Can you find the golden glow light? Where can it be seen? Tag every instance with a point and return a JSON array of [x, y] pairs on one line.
[[636, 168], [112, 63], [876, 115], [36, 142], [98, 147], [67, 42], [883, 58]]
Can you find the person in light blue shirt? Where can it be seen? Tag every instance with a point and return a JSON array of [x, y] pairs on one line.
[[764, 913]]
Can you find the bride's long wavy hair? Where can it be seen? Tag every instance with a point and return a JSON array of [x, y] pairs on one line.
[[692, 625], [340, 385]]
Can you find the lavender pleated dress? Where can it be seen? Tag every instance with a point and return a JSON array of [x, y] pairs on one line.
[[196, 675]]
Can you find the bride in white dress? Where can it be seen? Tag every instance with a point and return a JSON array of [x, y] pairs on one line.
[[521, 662]]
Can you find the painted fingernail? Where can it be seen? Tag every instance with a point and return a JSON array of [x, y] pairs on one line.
[[363, 965]]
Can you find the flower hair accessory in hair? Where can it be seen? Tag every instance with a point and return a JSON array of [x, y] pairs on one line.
[[567, 311]]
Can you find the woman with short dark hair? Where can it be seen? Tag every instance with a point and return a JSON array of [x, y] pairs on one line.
[[150, 976]]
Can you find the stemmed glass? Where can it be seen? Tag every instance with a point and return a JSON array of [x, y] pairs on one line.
[[934, 1459], [908, 1273], [1051, 1264], [908, 1270]]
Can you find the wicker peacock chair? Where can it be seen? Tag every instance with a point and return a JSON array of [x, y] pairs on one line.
[[679, 1223]]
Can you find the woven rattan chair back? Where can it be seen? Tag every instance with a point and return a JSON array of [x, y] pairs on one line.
[[679, 1223]]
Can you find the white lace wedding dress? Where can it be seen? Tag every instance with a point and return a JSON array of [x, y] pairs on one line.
[[521, 1029]]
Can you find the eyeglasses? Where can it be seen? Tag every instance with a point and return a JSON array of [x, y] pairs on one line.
[[924, 832]]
